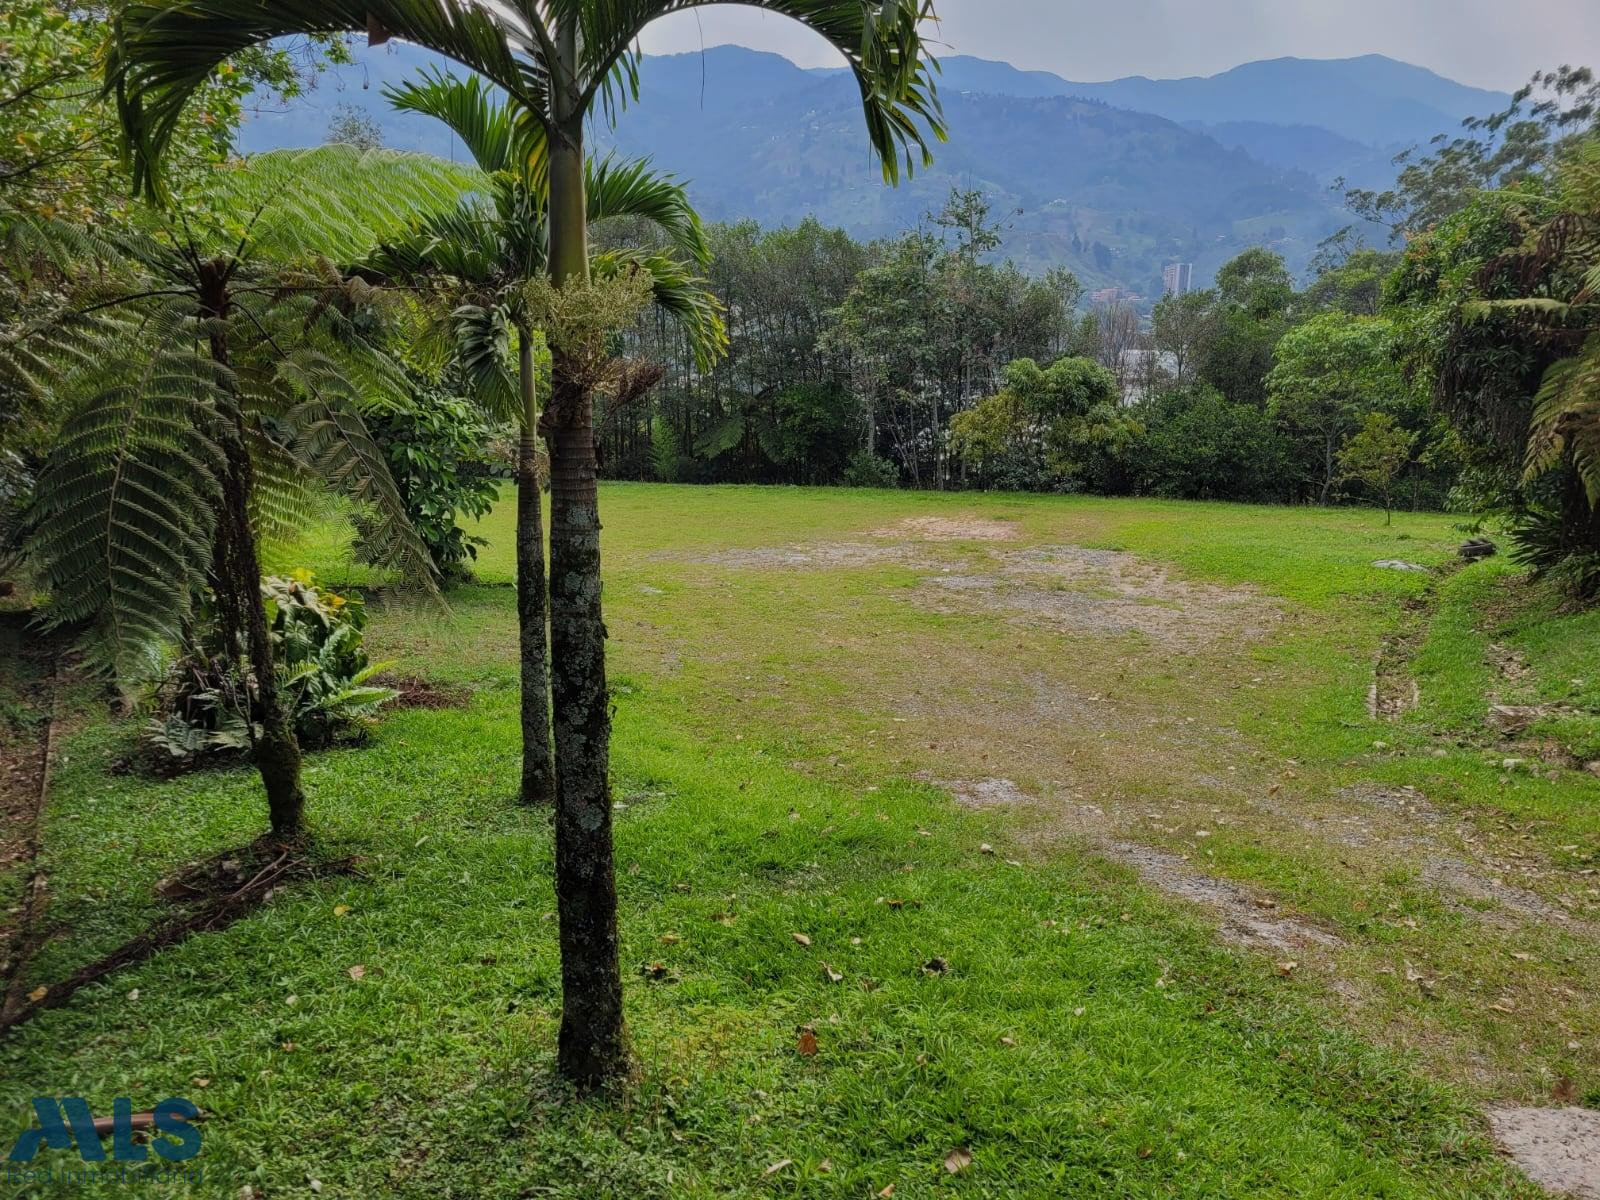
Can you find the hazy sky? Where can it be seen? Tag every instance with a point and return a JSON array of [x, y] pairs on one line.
[[1490, 43]]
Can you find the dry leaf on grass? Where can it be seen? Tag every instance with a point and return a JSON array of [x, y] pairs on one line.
[[778, 1166], [831, 975], [801, 938], [358, 972], [958, 1160], [38, 993], [807, 1045]]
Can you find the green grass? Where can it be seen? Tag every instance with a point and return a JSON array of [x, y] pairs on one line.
[[775, 733]]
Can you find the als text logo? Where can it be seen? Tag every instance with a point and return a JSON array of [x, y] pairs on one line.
[[69, 1123]]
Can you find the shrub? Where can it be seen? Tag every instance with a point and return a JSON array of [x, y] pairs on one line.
[[207, 707], [866, 469], [1200, 446], [437, 446]]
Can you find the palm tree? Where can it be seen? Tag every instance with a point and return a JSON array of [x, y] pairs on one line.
[[557, 59], [478, 258], [212, 366]]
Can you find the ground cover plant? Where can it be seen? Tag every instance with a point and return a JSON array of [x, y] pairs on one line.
[[997, 845]]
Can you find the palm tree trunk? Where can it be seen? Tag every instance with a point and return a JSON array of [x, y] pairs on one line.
[[592, 1046], [236, 580], [538, 769]]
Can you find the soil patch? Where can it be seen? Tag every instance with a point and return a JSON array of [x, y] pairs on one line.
[[1557, 1148], [1246, 919], [1107, 592], [984, 793], [951, 529], [811, 555], [416, 692], [222, 890], [1458, 877]]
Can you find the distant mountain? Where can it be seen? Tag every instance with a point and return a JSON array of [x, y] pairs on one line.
[[1372, 99], [1112, 179]]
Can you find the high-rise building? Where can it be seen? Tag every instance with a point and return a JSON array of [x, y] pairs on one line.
[[1178, 278]]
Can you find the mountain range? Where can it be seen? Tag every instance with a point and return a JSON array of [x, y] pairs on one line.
[[1111, 179]]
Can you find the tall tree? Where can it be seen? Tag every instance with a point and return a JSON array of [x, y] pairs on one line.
[[1331, 371], [558, 59]]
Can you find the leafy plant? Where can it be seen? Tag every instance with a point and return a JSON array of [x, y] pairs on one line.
[[435, 444], [208, 707], [865, 469]]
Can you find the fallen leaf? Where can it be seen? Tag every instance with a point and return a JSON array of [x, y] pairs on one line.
[[778, 1166], [358, 972], [340, 910], [825, 1166], [886, 1192], [831, 975], [1286, 969], [807, 1045], [200, 1081], [958, 1160], [289, 1047], [38, 993], [986, 849], [670, 939], [1565, 1091], [1006, 1041], [801, 938], [133, 995]]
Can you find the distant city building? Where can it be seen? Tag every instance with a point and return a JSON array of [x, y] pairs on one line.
[[1114, 295], [1178, 278]]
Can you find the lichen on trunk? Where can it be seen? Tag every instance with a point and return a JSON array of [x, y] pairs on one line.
[[538, 768]]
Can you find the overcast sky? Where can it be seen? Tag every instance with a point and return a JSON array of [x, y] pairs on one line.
[[1490, 43]]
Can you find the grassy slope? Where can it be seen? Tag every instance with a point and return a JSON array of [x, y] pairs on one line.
[[768, 792]]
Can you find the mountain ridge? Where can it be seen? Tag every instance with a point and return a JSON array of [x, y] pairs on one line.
[[1111, 190]]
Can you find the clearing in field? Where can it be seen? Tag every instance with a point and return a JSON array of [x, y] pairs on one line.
[[970, 845]]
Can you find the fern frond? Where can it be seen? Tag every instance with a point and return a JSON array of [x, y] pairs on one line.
[[330, 436], [125, 507]]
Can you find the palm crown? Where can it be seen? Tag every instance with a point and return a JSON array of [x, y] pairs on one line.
[[554, 57], [478, 255]]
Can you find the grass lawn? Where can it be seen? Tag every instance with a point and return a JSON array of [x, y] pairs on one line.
[[829, 705]]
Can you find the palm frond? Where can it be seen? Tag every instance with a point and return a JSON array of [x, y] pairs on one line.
[[483, 351], [684, 296], [329, 435], [634, 189], [487, 124], [162, 53], [882, 42]]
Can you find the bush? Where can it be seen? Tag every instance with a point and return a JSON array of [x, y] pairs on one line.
[[866, 469], [207, 705], [437, 448], [1200, 446]]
